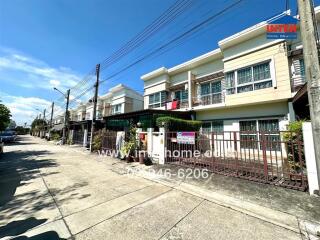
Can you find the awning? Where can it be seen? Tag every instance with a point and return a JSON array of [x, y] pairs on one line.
[[57, 127]]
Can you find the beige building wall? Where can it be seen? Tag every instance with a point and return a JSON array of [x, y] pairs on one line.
[[280, 73], [179, 78], [257, 110], [208, 68]]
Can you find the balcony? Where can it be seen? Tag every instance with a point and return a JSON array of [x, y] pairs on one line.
[[177, 104], [208, 99]]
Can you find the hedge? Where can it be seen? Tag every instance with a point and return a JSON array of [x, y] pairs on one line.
[[177, 124], [292, 137]]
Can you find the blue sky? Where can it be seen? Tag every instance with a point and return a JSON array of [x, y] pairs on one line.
[[47, 43]]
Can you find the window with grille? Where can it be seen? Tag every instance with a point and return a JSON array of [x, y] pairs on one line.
[[302, 68], [212, 126], [244, 75], [211, 92], [206, 127], [157, 99], [262, 134], [269, 133], [248, 134], [248, 79], [229, 81], [181, 95], [116, 109]]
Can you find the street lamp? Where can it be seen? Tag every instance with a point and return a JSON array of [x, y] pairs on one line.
[[60, 92], [66, 96]]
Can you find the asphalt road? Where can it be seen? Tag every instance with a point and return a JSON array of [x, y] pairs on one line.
[[57, 192]]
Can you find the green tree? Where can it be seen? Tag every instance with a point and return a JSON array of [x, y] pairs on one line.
[[38, 124], [4, 117]]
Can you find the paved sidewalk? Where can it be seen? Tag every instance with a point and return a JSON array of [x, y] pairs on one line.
[[58, 192]]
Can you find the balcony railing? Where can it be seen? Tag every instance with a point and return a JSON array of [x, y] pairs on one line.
[[297, 81], [208, 99], [176, 104]]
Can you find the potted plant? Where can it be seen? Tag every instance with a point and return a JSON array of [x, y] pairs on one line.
[[141, 157], [126, 150]]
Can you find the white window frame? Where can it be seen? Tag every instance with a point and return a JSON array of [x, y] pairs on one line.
[[211, 126], [159, 103], [258, 129], [252, 83], [211, 94], [117, 106]]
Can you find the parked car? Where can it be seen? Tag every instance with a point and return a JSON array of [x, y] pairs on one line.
[[7, 136], [1, 147]]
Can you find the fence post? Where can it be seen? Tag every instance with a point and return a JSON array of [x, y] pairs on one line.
[[264, 156], [162, 152], [85, 137], [235, 149], [310, 158], [71, 134], [149, 142]]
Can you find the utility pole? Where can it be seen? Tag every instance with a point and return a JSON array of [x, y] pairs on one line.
[[312, 69], [44, 122], [65, 118], [51, 117], [95, 101]]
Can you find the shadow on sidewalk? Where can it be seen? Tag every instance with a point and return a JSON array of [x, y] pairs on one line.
[[50, 235], [294, 202], [18, 227], [18, 167]]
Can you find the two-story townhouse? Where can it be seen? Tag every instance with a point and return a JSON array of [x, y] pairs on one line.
[[78, 113], [246, 84], [123, 99], [119, 99]]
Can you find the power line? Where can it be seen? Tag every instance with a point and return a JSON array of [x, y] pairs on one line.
[[167, 17], [181, 36], [161, 48], [177, 8]]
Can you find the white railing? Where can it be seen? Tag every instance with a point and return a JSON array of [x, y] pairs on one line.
[[208, 99]]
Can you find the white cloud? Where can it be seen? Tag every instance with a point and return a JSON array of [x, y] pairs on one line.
[[54, 83], [20, 70], [24, 109], [37, 73]]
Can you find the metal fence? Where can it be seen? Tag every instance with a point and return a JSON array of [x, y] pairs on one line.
[[78, 137], [268, 157], [109, 141]]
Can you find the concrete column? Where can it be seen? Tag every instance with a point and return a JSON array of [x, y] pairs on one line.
[[85, 137], [162, 146], [310, 158], [71, 135], [149, 141], [291, 114], [190, 89]]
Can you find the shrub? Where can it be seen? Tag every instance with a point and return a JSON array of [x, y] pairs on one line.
[[97, 140], [69, 141], [55, 136], [131, 143], [292, 137], [177, 124]]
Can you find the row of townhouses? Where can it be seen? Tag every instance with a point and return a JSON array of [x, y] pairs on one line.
[[244, 92], [120, 99], [249, 82]]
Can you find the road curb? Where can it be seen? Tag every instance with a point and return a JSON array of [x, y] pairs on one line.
[[269, 215]]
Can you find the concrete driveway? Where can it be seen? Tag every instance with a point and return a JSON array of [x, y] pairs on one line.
[[58, 192]]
